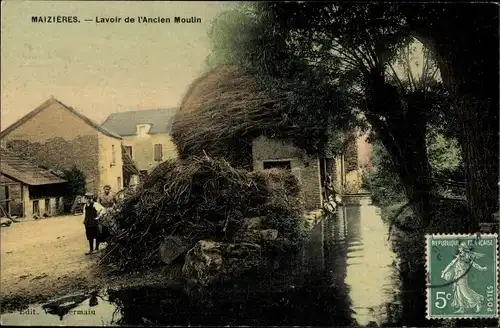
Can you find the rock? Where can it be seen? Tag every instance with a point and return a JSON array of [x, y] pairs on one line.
[[269, 234], [209, 261], [171, 248], [247, 235], [252, 223], [255, 235]]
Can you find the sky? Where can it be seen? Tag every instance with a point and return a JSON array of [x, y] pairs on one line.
[[95, 68]]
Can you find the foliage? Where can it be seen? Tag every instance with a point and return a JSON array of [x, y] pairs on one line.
[[249, 37], [291, 228], [358, 46], [351, 152], [75, 185], [76, 181], [446, 163], [445, 157], [383, 182]]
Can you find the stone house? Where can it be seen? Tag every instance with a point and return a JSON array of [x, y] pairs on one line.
[[146, 135], [311, 170], [58, 137], [27, 190]]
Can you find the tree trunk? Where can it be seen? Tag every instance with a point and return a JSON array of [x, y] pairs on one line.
[[403, 134], [406, 144], [476, 104], [464, 39], [480, 148]]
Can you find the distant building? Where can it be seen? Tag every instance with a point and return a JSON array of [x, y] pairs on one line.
[[58, 137], [146, 135], [310, 170], [26, 190]]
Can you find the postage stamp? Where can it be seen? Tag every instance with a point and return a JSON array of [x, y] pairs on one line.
[[462, 276]]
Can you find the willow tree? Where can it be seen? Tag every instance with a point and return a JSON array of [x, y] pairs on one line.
[[464, 39]]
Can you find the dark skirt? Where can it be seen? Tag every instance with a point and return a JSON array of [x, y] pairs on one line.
[[104, 234], [92, 232]]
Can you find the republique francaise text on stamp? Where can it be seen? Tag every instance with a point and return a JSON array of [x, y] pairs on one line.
[[462, 276]]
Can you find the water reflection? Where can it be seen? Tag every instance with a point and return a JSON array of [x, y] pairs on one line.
[[93, 310], [307, 289]]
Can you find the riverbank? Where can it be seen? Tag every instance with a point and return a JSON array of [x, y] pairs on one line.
[[45, 258]]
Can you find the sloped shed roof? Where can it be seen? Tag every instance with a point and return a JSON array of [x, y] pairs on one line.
[[24, 171]]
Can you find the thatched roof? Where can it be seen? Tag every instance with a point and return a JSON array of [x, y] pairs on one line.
[[222, 112]]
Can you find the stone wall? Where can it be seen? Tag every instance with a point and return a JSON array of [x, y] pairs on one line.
[[58, 154], [305, 167]]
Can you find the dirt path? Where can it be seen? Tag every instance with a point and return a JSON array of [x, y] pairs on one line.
[[46, 258]]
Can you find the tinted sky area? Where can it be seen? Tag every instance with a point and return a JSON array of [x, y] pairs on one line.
[[100, 68]]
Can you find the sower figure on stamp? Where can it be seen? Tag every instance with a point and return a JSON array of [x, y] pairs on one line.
[[91, 212], [107, 200], [464, 297]]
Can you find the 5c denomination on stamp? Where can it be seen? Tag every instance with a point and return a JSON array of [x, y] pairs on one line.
[[462, 276]]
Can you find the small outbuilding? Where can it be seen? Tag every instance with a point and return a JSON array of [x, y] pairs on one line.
[[27, 190], [310, 170]]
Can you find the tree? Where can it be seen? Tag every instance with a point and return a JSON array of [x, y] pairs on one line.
[[357, 44], [353, 45], [246, 36], [75, 184], [464, 39]]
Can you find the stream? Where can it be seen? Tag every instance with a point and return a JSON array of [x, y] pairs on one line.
[[342, 277]]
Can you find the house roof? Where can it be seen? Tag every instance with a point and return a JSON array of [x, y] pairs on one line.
[[125, 123], [52, 101], [24, 171]]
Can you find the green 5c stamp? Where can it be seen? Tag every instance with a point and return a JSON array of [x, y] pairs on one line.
[[462, 276]]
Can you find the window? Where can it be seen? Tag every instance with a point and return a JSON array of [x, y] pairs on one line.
[[119, 183], [113, 155], [47, 206], [128, 150], [142, 129], [36, 208], [287, 165], [158, 153]]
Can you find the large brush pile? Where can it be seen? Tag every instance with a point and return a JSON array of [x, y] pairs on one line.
[[222, 112], [197, 199]]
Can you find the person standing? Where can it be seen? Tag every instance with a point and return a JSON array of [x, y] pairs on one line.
[[108, 201], [91, 212]]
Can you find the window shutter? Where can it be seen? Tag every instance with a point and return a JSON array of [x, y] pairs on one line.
[[113, 155], [158, 152]]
